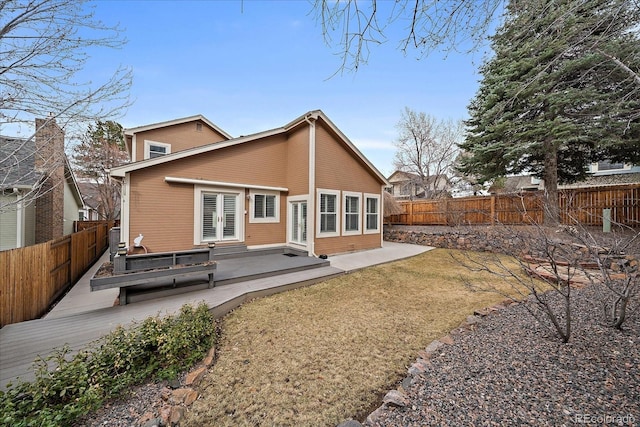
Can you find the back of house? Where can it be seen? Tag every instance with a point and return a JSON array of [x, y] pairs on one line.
[[303, 185]]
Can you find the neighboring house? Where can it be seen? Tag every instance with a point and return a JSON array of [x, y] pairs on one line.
[[606, 173], [603, 173], [303, 185], [39, 196], [516, 184], [94, 209], [409, 186]]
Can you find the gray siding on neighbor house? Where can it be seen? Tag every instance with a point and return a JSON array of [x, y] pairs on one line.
[[8, 223], [71, 209]]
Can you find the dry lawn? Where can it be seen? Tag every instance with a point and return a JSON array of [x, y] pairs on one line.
[[326, 353]]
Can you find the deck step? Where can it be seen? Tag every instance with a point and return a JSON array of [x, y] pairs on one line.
[[240, 251]]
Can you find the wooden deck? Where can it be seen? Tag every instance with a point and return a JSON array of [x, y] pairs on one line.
[[246, 278]]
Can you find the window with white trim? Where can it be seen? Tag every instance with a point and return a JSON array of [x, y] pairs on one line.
[[328, 208], [154, 149], [372, 213], [351, 214], [265, 206]]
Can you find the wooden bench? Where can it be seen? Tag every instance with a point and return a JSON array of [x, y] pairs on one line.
[[154, 269]]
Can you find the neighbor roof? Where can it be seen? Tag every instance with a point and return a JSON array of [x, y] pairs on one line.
[[17, 163]]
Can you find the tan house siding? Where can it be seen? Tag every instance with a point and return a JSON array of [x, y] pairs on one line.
[[336, 169], [336, 245], [181, 137], [332, 160], [260, 163], [266, 234], [298, 162], [150, 212]]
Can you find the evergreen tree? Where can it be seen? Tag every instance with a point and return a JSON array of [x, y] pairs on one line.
[[561, 91], [101, 149]]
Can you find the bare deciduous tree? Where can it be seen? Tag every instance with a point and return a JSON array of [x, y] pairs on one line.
[[102, 148], [46, 45], [556, 262], [426, 25], [427, 148]]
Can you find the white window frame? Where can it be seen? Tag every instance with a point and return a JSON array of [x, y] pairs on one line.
[[290, 201], [365, 213], [275, 218], [148, 144], [320, 233], [197, 211], [346, 232]]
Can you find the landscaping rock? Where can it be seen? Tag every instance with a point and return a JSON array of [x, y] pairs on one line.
[[149, 420], [184, 396], [177, 414], [396, 398], [447, 339], [433, 347], [194, 377], [472, 320], [154, 422], [376, 415], [165, 415], [208, 360], [350, 423]]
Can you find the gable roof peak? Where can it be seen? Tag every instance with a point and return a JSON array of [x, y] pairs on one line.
[[198, 117]]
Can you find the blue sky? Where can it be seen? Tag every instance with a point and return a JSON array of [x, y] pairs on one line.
[[256, 65]]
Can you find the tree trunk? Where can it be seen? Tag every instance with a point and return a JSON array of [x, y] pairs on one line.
[[551, 208]]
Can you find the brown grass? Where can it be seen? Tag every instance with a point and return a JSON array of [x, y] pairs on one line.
[[323, 354]]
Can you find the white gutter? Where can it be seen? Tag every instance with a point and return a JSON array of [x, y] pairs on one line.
[[176, 180]]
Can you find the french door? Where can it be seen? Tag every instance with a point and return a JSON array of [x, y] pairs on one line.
[[298, 222], [219, 217]]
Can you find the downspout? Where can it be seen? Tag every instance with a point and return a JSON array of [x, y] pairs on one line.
[[381, 215], [311, 207], [124, 209]]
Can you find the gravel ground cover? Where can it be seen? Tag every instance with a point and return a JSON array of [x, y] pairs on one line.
[[512, 371]]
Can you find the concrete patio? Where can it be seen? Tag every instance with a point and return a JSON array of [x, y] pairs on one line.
[[83, 316]]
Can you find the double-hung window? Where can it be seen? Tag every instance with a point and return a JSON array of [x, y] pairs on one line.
[[328, 203], [352, 211], [154, 149], [372, 213], [266, 206]]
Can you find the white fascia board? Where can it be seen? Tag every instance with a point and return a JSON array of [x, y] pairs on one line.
[[120, 171], [177, 180]]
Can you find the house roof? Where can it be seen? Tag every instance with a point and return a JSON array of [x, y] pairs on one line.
[[403, 176], [604, 180], [131, 131], [17, 163], [514, 184], [18, 167], [305, 118]]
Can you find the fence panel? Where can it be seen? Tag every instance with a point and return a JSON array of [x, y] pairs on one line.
[[582, 205], [32, 278]]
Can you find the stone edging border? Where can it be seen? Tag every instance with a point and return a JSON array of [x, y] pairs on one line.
[[397, 398], [177, 399]]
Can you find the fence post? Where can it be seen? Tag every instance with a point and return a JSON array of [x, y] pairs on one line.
[[410, 212], [493, 209]]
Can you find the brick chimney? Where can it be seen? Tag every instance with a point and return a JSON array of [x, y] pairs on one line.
[[49, 161]]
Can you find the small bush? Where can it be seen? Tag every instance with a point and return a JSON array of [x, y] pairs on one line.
[[69, 385]]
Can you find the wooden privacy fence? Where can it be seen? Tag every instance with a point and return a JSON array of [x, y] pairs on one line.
[[584, 205], [32, 278]]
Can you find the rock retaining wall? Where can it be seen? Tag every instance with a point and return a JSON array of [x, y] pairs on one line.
[[477, 238]]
